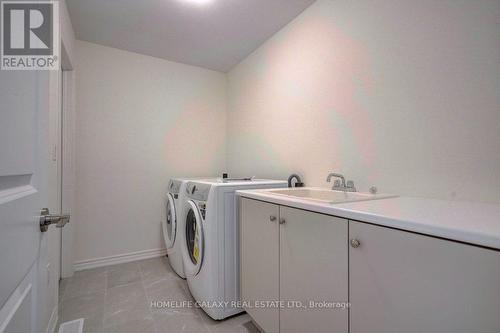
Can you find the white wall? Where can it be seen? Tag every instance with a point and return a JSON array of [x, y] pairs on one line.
[[400, 94], [141, 120], [67, 35]]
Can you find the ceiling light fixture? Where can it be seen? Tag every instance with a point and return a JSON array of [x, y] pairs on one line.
[[198, 2]]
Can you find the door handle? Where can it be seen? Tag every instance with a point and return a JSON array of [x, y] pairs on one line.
[[47, 219], [355, 243]]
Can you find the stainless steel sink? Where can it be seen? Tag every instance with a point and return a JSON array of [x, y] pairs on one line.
[[330, 196]]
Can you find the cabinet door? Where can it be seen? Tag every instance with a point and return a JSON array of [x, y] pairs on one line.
[[313, 267], [406, 282], [260, 260]]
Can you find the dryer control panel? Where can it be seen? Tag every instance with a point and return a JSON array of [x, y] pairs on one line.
[[174, 186], [198, 191]]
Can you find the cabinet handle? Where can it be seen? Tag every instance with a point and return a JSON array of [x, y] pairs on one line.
[[282, 221], [355, 243], [272, 218]]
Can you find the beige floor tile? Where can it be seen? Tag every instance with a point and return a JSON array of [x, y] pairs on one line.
[[91, 327], [173, 291], [179, 323], [126, 304], [168, 282], [135, 326], [156, 269], [126, 311], [83, 284], [238, 324], [88, 272], [118, 299], [90, 307], [124, 293], [155, 264], [62, 288], [123, 274]]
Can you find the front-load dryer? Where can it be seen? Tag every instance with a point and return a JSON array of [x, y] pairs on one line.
[[211, 244], [173, 233]]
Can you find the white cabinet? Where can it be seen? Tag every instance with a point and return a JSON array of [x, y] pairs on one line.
[[292, 255], [406, 282], [395, 281], [313, 267], [260, 261]]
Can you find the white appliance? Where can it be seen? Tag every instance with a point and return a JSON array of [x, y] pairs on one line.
[[211, 245], [172, 224]]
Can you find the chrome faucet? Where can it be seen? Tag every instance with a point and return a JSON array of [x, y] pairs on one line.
[[341, 185], [298, 180]]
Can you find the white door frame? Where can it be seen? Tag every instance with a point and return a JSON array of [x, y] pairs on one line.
[[53, 255], [68, 162]]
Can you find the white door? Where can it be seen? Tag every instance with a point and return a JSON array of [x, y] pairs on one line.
[[259, 234], [169, 222], [405, 282], [24, 119], [195, 241], [313, 268]]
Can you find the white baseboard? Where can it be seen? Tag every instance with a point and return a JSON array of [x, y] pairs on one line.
[[119, 259], [51, 328]]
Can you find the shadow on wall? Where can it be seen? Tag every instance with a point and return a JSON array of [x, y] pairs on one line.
[[331, 72], [191, 145], [305, 104]]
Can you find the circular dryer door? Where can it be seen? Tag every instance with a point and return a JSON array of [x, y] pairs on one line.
[[169, 222], [194, 240]]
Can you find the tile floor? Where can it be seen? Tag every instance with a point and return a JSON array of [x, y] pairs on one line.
[[117, 299]]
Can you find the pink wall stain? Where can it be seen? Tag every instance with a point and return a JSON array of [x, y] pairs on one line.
[[312, 72], [193, 146]]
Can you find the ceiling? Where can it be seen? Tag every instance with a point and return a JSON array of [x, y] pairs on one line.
[[214, 34]]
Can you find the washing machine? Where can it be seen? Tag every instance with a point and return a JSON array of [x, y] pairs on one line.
[[173, 223], [211, 242]]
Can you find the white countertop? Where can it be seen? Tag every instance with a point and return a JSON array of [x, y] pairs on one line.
[[469, 222]]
